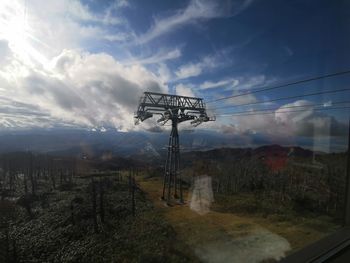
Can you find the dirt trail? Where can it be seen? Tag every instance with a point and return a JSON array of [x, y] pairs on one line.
[[218, 237]]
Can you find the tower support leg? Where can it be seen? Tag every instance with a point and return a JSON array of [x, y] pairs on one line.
[[172, 180]]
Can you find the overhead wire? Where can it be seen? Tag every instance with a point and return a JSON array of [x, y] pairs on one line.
[[323, 104], [282, 98], [273, 112], [339, 73]]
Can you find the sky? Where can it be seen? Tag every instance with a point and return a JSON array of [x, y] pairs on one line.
[[85, 63]]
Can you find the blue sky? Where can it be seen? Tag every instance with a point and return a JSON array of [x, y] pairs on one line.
[[85, 63]]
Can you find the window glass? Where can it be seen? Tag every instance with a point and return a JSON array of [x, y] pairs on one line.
[[171, 131]]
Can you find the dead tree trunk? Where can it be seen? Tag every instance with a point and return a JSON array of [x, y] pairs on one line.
[[132, 185], [72, 212], [31, 173], [94, 206], [102, 209], [7, 240], [25, 183], [52, 174], [61, 177], [14, 253]]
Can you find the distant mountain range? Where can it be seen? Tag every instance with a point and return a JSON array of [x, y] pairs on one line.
[[124, 144], [266, 151], [78, 142]]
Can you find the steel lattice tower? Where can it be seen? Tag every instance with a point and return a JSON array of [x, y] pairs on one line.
[[176, 109]]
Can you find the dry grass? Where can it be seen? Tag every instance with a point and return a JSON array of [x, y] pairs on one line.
[[196, 230]]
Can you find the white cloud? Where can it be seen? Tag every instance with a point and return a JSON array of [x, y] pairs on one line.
[[184, 90], [283, 116], [288, 123], [82, 89], [5, 52], [189, 70], [219, 84], [240, 87], [239, 83], [43, 63], [196, 69], [164, 73], [195, 11], [305, 121], [41, 29]]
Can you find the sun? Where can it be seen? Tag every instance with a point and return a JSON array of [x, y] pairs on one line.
[[15, 29]]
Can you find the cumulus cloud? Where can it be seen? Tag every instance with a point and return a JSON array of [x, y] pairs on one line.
[[308, 122], [87, 89], [287, 123], [43, 63], [48, 79]]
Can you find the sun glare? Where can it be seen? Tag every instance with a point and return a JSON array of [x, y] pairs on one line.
[[14, 28]]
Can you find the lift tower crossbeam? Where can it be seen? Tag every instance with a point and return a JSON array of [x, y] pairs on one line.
[[176, 109]]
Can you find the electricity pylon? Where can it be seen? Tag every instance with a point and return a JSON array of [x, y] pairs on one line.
[[176, 109]]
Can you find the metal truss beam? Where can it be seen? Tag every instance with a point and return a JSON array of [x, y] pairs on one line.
[[167, 101]]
